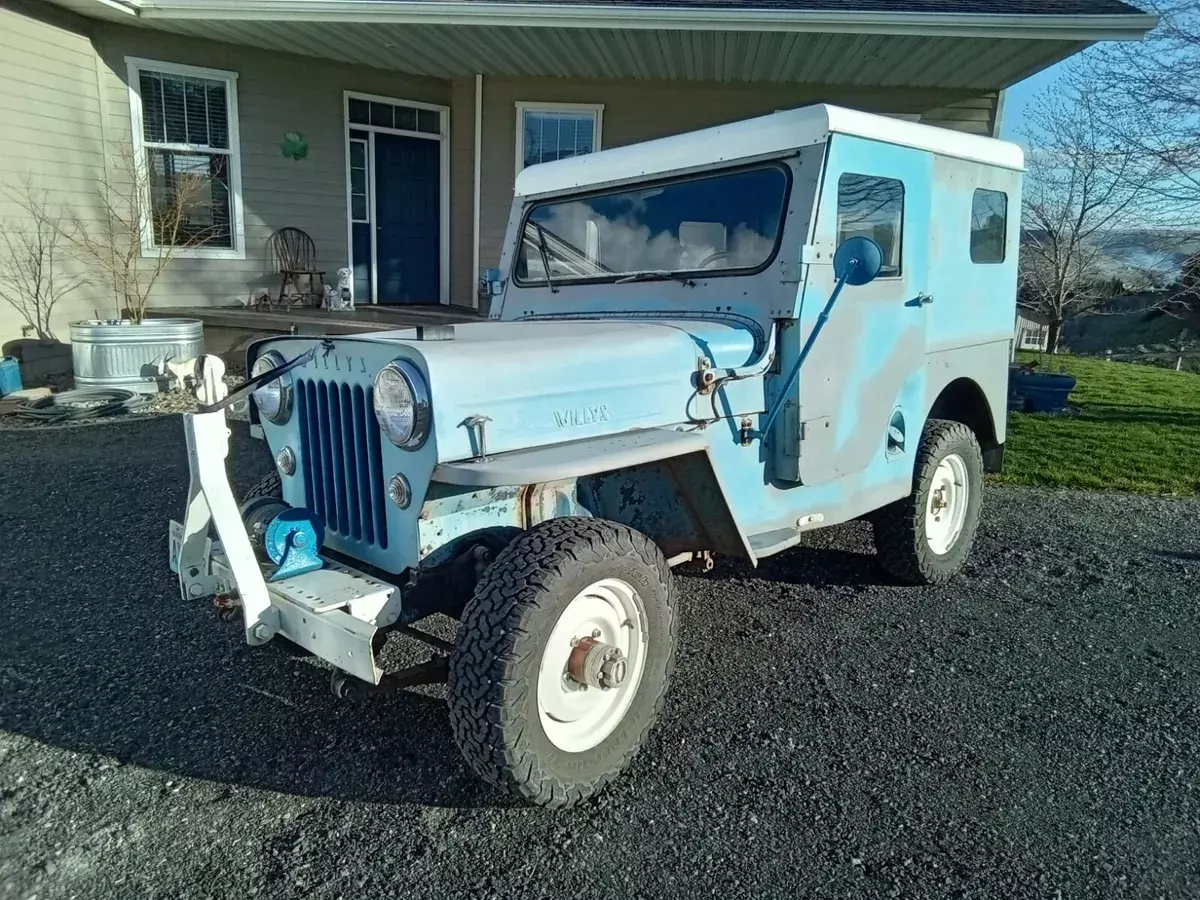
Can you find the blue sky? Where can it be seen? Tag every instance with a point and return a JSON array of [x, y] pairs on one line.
[[1017, 99]]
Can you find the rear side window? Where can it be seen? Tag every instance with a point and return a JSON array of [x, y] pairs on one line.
[[873, 207], [989, 226]]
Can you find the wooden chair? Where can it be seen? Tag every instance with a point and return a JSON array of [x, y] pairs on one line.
[[296, 256]]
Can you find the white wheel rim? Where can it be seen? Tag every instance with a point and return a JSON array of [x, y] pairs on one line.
[[946, 509], [577, 717]]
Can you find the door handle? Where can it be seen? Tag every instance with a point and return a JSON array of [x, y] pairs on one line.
[[922, 299]]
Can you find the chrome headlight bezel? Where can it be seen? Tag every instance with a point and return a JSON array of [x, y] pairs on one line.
[[422, 413], [270, 360]]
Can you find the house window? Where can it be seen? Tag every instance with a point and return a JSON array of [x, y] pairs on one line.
[[185, 145], [550, 131], [989, 226], [1033, 336], [873, 207]]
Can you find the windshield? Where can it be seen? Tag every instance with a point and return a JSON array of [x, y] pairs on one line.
[[703, 225]]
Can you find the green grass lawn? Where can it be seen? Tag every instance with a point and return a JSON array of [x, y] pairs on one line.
[[1139, 431]]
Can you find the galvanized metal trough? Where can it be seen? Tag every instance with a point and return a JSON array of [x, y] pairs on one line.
[[116, 353]]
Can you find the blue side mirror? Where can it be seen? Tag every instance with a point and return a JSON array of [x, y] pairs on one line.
[[857, 261]]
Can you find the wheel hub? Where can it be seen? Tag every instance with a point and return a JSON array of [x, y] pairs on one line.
[[946, 511], [592, 664], [597, 664]]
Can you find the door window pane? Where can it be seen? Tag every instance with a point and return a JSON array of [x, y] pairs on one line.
[[359, 111], [406, 118], [394, 115], [873, 207], [381, 115], [989, 226], [429, 121], [359, 210]]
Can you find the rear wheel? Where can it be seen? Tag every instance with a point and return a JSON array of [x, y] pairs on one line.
[[562, 659], [925, 538]]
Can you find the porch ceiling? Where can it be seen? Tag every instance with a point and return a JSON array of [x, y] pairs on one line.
[[447, 51]]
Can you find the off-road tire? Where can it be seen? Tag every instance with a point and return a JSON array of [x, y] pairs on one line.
[[492, 685], [900, 538], [268, 486]]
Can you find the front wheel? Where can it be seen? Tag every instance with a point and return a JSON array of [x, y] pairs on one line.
[[925, 538], [562, 659]]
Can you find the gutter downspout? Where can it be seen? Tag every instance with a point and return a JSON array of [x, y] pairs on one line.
[[478, 172]]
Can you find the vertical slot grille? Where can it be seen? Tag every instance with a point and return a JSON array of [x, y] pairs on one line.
[[341, 459]]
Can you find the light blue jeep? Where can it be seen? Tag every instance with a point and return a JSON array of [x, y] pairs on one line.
[[710, 343]]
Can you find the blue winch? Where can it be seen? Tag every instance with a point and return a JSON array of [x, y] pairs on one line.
[[293, 541]]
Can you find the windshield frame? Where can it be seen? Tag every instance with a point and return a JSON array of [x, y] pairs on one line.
[[557, 283]]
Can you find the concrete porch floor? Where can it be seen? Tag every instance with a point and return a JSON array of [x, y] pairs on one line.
[[227, 330]]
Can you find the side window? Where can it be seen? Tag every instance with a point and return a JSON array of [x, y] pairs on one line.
[[989, 226], [873, 207]]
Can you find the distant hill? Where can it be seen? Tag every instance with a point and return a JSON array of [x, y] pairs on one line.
[[1147, 335], [1162, 251], [1128, 252]]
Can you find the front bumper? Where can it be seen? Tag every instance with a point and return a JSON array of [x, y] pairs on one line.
[[334, 612]]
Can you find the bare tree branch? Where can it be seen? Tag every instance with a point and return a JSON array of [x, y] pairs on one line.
[[32, 280], [147, 214], [1082, 189]]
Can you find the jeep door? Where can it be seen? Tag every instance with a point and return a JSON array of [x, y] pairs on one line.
[[866, 370]]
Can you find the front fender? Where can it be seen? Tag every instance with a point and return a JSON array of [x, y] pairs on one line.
[[659, 481]]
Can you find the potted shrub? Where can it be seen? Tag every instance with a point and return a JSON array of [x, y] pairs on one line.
[[149, 210]]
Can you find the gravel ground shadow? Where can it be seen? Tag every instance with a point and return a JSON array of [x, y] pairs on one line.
[[109, 661], [1029, 730]]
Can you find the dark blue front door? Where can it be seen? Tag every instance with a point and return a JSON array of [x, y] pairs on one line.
[[408, 223]]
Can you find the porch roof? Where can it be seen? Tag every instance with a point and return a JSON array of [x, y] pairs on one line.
[[965, 44]]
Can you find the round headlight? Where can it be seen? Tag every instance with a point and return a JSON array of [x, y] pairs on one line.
[[401, 400], [274, 399]]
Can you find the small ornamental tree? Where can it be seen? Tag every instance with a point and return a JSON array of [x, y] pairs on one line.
[[34, 246], [147, 211]]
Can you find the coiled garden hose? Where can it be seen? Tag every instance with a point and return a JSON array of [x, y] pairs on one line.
[[72, 406]]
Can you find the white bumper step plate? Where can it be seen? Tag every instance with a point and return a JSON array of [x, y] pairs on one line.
[[332, 612]]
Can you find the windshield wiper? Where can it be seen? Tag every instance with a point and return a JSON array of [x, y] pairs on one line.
[[655, 275], [545, 256]]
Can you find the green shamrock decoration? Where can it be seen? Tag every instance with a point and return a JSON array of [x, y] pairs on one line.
[[294, 145]]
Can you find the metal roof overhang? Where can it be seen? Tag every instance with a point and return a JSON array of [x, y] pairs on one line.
[[464, 37]]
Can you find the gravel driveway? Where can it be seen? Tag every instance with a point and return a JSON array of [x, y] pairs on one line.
[[1030, 731]]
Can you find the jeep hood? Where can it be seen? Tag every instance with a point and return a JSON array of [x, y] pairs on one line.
[[545, 382]]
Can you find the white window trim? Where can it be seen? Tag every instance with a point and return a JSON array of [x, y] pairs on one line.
[[524, 106], [133, 66], [443, 137]]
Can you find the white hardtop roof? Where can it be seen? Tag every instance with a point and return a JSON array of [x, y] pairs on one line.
[[752, 138]]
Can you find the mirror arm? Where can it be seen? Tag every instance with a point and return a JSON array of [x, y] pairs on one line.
[[749, 434]]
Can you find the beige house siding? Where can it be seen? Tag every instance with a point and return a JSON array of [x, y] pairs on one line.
[[276, 93], [640, 110], [50, 133], [462, 191], [64, 98]]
